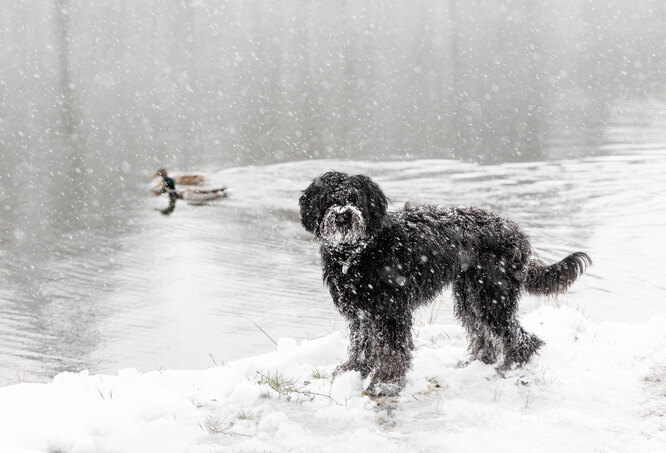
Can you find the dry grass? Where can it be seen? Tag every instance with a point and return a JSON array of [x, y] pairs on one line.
[[276, 381], [286, 386], [319, 374]]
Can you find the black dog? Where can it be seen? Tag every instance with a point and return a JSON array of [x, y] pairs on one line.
[[379, 266]]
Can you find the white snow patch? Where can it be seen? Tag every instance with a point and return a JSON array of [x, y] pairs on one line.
[[595, 387]]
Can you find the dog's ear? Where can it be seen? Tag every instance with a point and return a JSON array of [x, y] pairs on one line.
[[377, 202], [313, 200], [308, 203]]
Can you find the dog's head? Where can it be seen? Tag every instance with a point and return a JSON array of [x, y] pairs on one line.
[[340, 209]]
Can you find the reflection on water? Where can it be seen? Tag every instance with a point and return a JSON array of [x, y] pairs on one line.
[[554, 114], [169, 209]]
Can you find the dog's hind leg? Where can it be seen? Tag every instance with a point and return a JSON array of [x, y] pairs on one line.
[[519, 345], [491, 303], [361, 357], [481, 344], [498, 314]]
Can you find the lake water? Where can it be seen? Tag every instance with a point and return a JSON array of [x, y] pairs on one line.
[[148, 291], [535, 112]]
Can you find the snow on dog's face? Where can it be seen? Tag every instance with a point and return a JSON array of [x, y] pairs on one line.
[[340, 209], [342, 225]]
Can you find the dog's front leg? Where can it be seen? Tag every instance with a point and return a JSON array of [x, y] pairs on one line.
[[360, 348], [393, 347]]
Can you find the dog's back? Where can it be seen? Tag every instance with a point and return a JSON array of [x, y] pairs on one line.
[[451, 241]]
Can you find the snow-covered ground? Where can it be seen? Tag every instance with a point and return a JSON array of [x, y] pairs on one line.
[[595, 388]]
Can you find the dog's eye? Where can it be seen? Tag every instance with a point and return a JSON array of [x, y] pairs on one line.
[[353, 198]]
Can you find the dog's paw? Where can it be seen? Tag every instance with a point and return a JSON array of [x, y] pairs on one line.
[[505, 368], [339, 370], [383, 389], [465, 362], [385, 386], [350, 366]]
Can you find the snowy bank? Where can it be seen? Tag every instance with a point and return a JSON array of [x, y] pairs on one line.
[[595, 387]]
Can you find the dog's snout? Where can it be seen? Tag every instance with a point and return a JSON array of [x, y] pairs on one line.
[[343, 218]]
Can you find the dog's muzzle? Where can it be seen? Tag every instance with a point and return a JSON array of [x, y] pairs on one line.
[[342, 225]]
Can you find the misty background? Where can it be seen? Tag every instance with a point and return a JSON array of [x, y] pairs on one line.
[[96, 95]]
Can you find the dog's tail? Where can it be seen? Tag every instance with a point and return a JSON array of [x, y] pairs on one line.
[[555, 278]]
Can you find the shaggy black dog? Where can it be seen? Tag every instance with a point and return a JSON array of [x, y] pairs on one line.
[[379, 266]]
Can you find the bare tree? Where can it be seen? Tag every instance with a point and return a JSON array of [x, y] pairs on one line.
[[63, 36]]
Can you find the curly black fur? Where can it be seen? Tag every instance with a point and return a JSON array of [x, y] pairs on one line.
[[379, 266], [556, 278]]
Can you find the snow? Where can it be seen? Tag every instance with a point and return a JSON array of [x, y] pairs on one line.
[[595, 387]]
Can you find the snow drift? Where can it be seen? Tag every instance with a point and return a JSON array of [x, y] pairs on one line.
[[595, 387]]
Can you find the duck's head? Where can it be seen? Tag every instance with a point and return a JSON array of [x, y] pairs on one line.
[[162, 173]]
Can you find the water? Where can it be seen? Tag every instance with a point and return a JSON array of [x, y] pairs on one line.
[[554, 116], [169, 291]]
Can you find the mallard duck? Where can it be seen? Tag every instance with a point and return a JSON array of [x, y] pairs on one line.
[[186, 179], [199, 194]]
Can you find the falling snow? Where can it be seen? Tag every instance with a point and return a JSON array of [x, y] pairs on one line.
[[550, 113]]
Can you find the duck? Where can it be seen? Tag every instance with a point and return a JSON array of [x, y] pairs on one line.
[[199, 194], [185, 179]]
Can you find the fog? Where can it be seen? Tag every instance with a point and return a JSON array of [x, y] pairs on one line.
[[240, 82]]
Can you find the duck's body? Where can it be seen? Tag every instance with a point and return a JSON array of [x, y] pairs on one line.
[[189, 179], [184, 179], [199, 194]]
